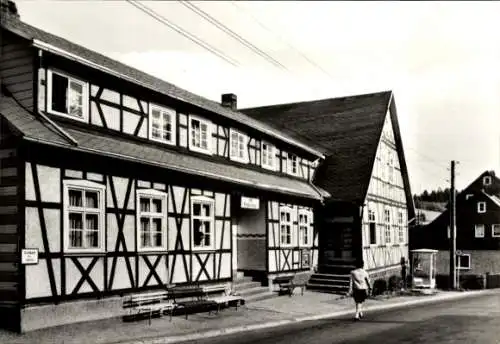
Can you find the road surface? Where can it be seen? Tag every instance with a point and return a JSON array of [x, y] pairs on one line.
[[470, 320]]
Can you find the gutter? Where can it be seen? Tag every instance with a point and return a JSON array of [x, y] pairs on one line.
[[178, 168], [61, 52]]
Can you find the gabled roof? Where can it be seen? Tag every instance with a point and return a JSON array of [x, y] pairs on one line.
[[477, 184], [347, 130], [62, 47], [34, 129]]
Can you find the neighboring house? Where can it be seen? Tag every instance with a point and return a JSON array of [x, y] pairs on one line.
[[477, 229], [425, 216], [122, 182], [364, 171]]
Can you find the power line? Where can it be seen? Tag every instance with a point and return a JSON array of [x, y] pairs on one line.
[[231, 33], [307, 58], [183, 32], [427, 158]]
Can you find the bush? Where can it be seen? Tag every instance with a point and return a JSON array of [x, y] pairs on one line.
[[394, 283], [379, 287], [472, 282]]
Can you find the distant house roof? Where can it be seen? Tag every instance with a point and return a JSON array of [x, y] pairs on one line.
[[62, 47], [425, 216], [34, 129], [347, 130]]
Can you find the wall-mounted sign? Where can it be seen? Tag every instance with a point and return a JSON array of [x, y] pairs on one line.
[[29, 256], [249, 203]]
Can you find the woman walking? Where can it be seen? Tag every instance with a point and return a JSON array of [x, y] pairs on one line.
[[359, 287]]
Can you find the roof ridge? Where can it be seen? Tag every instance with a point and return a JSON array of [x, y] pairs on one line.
[[305, 102]]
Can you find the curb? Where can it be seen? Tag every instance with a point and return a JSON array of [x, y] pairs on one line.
[[245, 328]]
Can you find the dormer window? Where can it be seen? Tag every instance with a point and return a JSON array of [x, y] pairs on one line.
[[486, 180], [67, 96], [200, 135], [481, 207], [267, 155], [162, 124], [239, 151]]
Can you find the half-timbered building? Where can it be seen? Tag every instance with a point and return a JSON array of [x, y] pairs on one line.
[[477, 230], [370, 204], [114, 181]]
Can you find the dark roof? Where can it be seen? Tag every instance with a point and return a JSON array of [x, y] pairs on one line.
[[347, 130], [81, 53], [34, 128]]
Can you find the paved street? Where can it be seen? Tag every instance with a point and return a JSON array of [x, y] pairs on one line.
[[473, 320]]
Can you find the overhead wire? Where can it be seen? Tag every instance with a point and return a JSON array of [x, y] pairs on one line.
[[262, 25], [233, 34], [183, 32]]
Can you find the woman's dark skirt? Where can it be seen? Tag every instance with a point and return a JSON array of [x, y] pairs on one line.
[[359, 295]]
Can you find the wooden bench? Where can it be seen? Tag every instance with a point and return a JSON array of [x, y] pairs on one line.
[[226, 299], [288, 283], [153, 303], [196, 299]]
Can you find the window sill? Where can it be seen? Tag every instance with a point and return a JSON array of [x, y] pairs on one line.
[[203, 249], [240, 160], [81, 253], [200, 150], [162, 250], [170, 143], [84, 118]]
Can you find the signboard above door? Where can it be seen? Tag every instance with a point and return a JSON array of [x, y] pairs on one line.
[[249, 203]]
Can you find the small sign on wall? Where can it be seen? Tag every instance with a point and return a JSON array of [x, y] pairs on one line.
[[29, 256], [249, 203]]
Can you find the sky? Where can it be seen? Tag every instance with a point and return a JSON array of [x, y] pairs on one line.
[[439, 58]]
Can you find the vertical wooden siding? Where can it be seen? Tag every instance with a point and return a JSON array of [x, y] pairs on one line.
[[9, 190], [16, 68]]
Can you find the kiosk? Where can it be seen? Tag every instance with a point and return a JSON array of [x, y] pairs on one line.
[[424, 268]]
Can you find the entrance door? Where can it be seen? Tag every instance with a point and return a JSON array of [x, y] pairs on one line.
[[346, 242]]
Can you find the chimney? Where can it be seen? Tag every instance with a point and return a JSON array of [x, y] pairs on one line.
[[8, 9], [229, 100]]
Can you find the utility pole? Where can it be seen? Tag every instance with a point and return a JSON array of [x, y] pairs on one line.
[[453, 232]]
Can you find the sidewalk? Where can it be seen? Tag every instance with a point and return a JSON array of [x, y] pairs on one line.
[[266, 313]]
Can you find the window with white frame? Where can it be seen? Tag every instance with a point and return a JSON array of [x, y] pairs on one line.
[[305, 232], [292, 164], [387, 223], [463, 261], [372, 226], [401, 227], [495, 230], [83, 216], [267, 155], [487, 180], [162, 124], [238, 144], [481, 207], [285, 226], [202, 222], [479, 231], [200, 134], [151, 220], [67, 96], [468, 196]]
